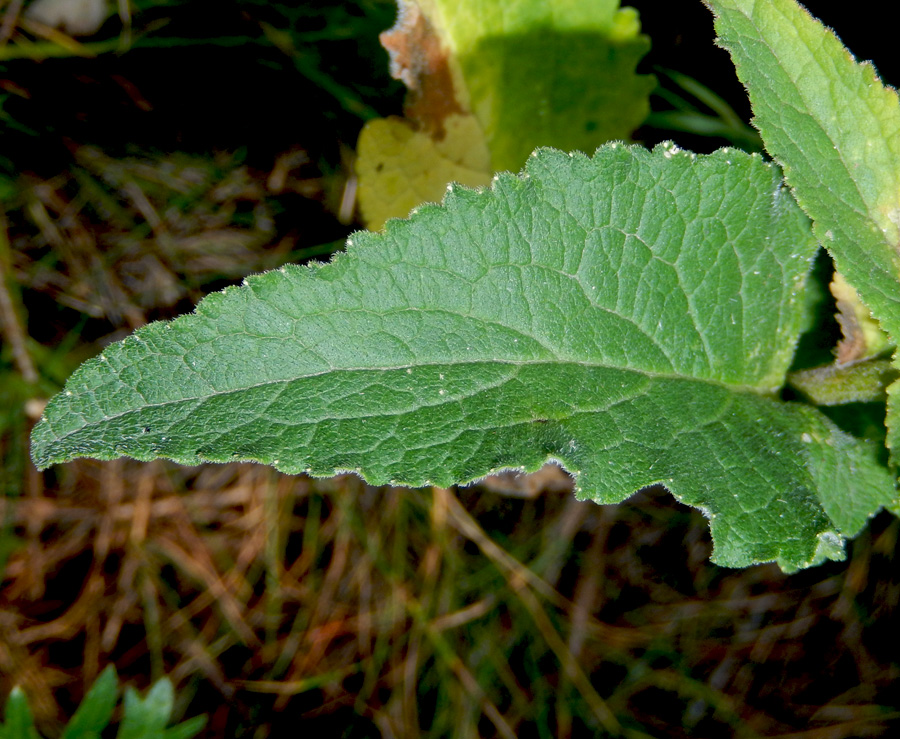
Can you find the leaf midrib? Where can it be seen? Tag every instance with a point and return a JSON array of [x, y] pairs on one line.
[[649, 375]]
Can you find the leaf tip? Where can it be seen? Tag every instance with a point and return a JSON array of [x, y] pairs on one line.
[[40, 454]]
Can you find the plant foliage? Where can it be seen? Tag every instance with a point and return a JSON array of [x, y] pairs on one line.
[[490, 81], [835, 129], [631, 316], [143, 718]]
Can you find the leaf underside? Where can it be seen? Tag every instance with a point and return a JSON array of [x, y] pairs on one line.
[[630, 316]]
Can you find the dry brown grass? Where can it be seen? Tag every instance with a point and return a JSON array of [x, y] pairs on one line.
[[270, 599]]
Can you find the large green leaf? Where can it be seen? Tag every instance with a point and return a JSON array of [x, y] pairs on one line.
[[835, 129], [630, 315]]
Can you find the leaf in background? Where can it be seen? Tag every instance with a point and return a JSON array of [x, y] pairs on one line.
[[863, 337], [403, 162], [511, 76], [630, 315], [400, 167], [146, 718], [835, 129], [549, 72]]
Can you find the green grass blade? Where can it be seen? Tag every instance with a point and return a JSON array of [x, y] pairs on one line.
[[186, 729]]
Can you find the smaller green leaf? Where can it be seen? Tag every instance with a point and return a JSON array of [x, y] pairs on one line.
[[96, 709], [835, 129], [146, 718], [19, 721]]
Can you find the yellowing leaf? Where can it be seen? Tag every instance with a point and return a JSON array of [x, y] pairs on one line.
[[863, 337], [527, 73], [399, 167]]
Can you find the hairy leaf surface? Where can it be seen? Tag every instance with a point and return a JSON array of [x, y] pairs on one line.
[[835, 129], [630, 315]]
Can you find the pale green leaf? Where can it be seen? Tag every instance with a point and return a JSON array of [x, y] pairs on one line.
[[630, 315], [835, 129], [146, 718], [489, 81], [549, 72]]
